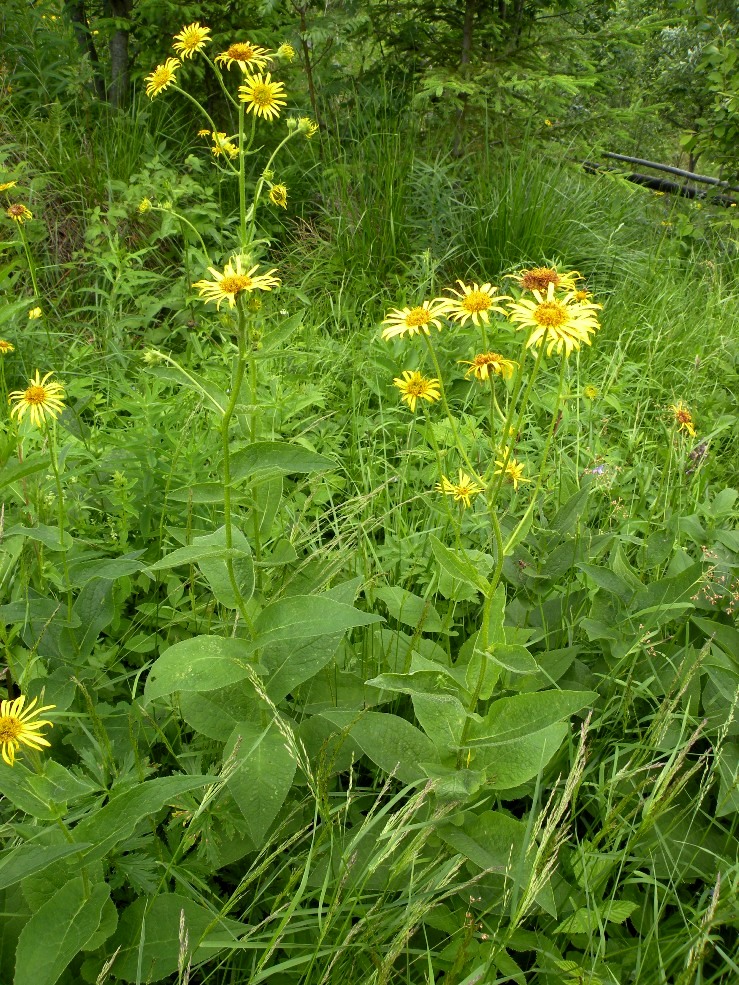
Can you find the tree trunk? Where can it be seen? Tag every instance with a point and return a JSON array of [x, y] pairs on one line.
[[119, 62], [470, 9], [78, 16]]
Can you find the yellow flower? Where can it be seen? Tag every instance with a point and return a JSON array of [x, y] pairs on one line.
[[307, 126], [234, 281], [278, 195], [204, 133], [39, 398], [413, 320], [144, 205], [590, 392], [222, 145], [473, 301], [7, 184], [262, 96], [547, 123], [18, 726], [539, 279], [415, 387], [683, 418], [562, 322], [513, 471], [161, 77], [485, 363], [191, 39], [6, 347], [463, 491], [19, 213], [34, 313], [286, 51], [245, 55]]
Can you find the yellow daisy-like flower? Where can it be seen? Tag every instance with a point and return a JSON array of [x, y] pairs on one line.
[[590, 392], [204, 133], [233, 281], [6, 347], [34, 313], [19, 727], [413, 386], [485, 363], [560, 322], [513, 471], [40, 399], [19, 213], [683, 418], [462, 491], [245, 55], [6, 185], [162, 77], [222, 145], [144, 205], [286, 51], [474, 302], [262, 96], [191, 39], [539, 279], [414, 320], [278, 196], [307, 126]]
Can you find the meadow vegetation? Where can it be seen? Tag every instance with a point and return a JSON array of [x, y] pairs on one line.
[[369, 564]]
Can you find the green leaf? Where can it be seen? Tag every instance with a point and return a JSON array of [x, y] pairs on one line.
[[587, 920], [661, 595], [525, 714], [303, 616], [568, 516], [117, 820], [458, 565], [57, 932], [389, 742], [148, 936], [264, 776], [607, 580], [21, 470], [442, 717], [514, 658], [276, 456], [410, 609], [509, 764], [27, 860], [216, 572], [203, 663], [491, 840], [290, 664], [48, 536], [202, 549]]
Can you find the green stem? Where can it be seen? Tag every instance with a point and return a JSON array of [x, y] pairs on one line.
[[260, 182], [51, 438], [32, 272], [213, 127], [482, 638]]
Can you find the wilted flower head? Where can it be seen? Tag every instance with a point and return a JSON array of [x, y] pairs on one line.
[[19, 213], [683, 418], [539, 279], [278, 195], [486, 363]]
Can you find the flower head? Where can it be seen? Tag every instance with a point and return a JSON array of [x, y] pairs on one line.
[[512, 470], [539, 279], [6, 347], [307, 126], [6, 185], [262, 96], [590, 392], [462, 491], [474, 301], [683, 418], [485, 363], [21, 727], [415, 387], [162, 77], [222, 145], [245, 55], [234, 280], [286, 51], [278, 196], [34, 313], [19, 213], [144, 205], [560, 322], [40, 398], [191, 39], [413, 320], [204, 133]]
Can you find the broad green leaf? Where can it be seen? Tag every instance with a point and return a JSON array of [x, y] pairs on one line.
[[27, 860], [15, 784], [607, 580], [15, 471], [216, 572], [276, 456], [390, 742], [482, 673], [525, 714], [568, 516], [303, 616], [107, 569], [514, 658], [148, 933], [442, 717], [48, 536], [509, 764], [117, 820], [291, 663], [264, 777], [587, 920], [409, 609], [201, 550], [456, 564], [663, 594], [57, 932], [203, 663], [727, 637], [491, 840]]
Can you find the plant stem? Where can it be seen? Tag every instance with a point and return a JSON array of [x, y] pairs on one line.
[[51, 438], [32, 272]]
